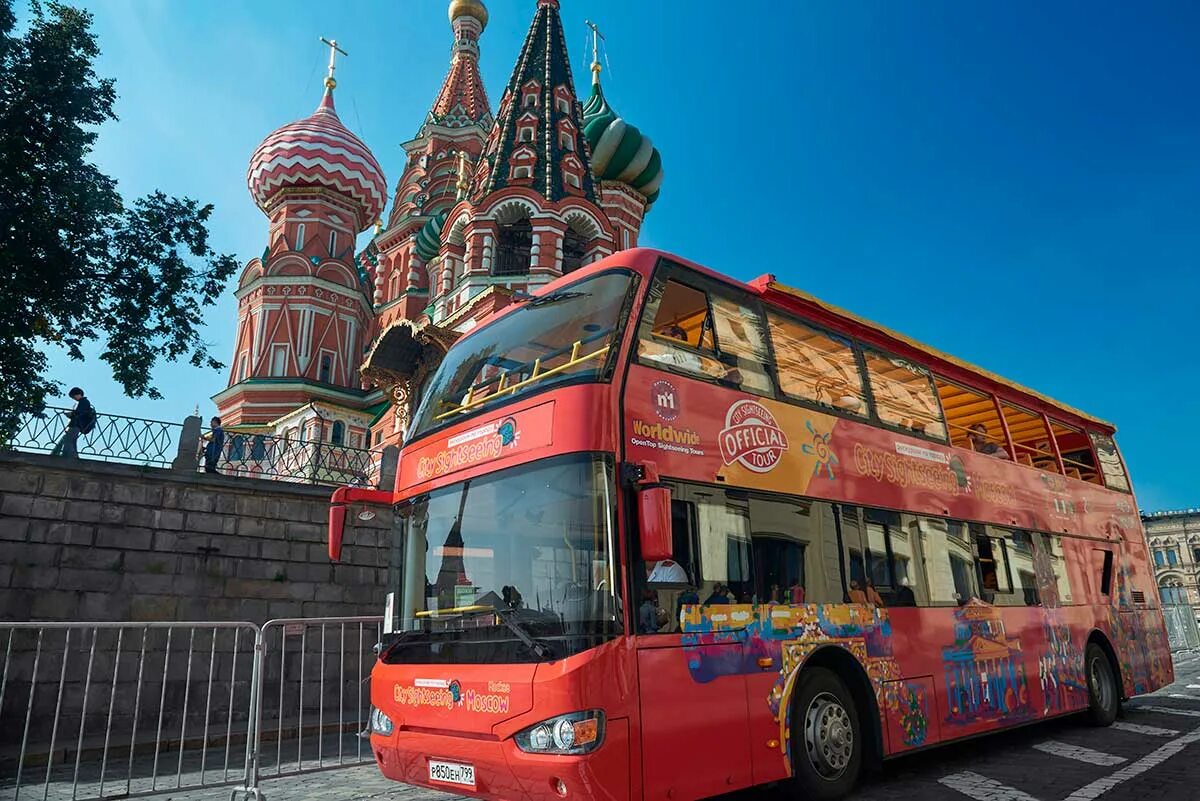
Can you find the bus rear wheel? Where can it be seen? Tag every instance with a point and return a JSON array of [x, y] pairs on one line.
[[1104, 697], [826, 740]]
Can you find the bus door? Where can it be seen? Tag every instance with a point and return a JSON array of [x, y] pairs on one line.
[[691, 655]]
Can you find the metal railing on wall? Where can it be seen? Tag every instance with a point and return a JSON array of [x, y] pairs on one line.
[[298, 460], [181, 446], [103, 710], [114, 438]]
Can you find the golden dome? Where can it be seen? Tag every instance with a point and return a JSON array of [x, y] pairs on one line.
[[469, 8]]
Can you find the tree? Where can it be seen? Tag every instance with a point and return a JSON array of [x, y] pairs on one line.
[[78, 264]]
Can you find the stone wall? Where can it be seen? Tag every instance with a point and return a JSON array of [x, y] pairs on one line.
[[91, 541]]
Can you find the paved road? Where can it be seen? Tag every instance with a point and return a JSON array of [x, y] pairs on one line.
[[1152, 753]]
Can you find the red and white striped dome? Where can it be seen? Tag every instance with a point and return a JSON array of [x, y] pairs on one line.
[[319, 151]]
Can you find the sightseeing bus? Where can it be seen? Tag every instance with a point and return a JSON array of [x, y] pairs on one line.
[[661, 534]]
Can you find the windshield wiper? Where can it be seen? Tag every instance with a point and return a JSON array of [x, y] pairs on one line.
[[541, 649], [556, 297]]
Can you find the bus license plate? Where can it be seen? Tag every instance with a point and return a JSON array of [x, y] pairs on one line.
[[451, 772]]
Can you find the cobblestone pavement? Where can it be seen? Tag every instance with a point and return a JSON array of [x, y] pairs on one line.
[[1152, 753]]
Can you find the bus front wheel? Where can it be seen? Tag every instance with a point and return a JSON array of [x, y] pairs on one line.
[[826, 738], [1104, 697]]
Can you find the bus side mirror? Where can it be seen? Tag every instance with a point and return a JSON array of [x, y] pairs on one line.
[[337, 528], [654, 517]]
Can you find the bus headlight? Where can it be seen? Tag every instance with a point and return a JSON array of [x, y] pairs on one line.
[[573, 733], [380, 723]]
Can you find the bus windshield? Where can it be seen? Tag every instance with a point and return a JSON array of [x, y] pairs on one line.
[[516, 566], [566, 335]]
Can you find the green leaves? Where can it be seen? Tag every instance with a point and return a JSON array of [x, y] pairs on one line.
[[77, 264]]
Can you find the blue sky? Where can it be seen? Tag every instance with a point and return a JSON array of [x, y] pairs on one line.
[[1015, 183]]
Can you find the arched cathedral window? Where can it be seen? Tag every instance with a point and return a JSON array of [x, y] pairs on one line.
[[514, 242], [573, 250]]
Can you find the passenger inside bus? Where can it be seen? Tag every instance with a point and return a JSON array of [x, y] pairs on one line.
[[981, 442]]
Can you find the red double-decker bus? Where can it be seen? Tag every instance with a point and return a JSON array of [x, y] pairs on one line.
[[661, 534]]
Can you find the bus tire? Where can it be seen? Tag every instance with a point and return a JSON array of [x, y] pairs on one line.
[[826, 737], [1104, 696]]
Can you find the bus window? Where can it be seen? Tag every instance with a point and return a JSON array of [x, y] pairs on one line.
[[707, 334], [815, 366], [1029, 438], [995, 559], [1076, 450], [1020, 556], [904, 395], [972, 418], [879, 556], [723, 536], [795, 551], [949, 561], [1051, 568], [1110, 462]]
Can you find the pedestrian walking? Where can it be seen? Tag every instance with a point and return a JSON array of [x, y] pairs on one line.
[[214, 446], [83, 420]]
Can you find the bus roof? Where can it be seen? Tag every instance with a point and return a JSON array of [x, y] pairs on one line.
[[766, 284]]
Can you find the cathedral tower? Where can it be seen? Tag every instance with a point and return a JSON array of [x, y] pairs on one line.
[[454, 129], [304, 306]]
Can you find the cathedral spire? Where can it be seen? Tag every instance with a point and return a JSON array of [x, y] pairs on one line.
[[534, 142], [462, 100]]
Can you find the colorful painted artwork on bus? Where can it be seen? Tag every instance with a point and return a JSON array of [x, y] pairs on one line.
[[984, 669], [907, 704], [723, 640], [1060, 666]]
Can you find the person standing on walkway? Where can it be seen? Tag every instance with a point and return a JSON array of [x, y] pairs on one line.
[[83, 420], [214, 446]]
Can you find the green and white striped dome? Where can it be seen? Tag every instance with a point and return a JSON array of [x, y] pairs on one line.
[[429, 238], [620, 152]]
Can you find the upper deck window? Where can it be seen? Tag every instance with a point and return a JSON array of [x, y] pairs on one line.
[[1077, 458], [709, 334], [1110, 462], [564, 336], [973, 419], [904, 395], [816, 366], [1030, 438]]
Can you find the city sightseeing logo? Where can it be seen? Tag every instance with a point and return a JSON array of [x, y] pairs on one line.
[[752, 437]]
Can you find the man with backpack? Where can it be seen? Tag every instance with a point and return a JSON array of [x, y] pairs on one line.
[[83, 420]]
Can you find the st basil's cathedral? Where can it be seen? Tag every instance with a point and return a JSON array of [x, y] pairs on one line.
[[333, 342]]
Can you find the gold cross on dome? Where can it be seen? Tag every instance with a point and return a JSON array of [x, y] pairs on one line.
[[333, 51], [597, 37]]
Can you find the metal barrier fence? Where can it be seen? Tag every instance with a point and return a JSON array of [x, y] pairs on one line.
[[129, 440], [1182, 629], [103, 710], [297, 729]]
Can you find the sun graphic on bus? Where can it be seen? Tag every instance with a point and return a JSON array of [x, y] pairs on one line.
[[819, 447]]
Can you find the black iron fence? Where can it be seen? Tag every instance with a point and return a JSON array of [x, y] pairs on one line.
[[181, 446], [297, 460], [114, 438]]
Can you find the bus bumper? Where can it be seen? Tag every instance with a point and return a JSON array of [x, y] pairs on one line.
[[503, 771]]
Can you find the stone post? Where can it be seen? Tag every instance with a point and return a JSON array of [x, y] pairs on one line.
[[388, 463], [189, 443]]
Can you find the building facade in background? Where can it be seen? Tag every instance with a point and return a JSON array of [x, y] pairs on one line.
[[334, 341], [1174, 538]]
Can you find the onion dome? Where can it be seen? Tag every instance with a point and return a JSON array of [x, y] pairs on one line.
[[429, 238], [620, 152], [318, 151], [468, 8]]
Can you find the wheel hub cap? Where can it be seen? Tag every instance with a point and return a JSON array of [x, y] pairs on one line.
[[828, 736]]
